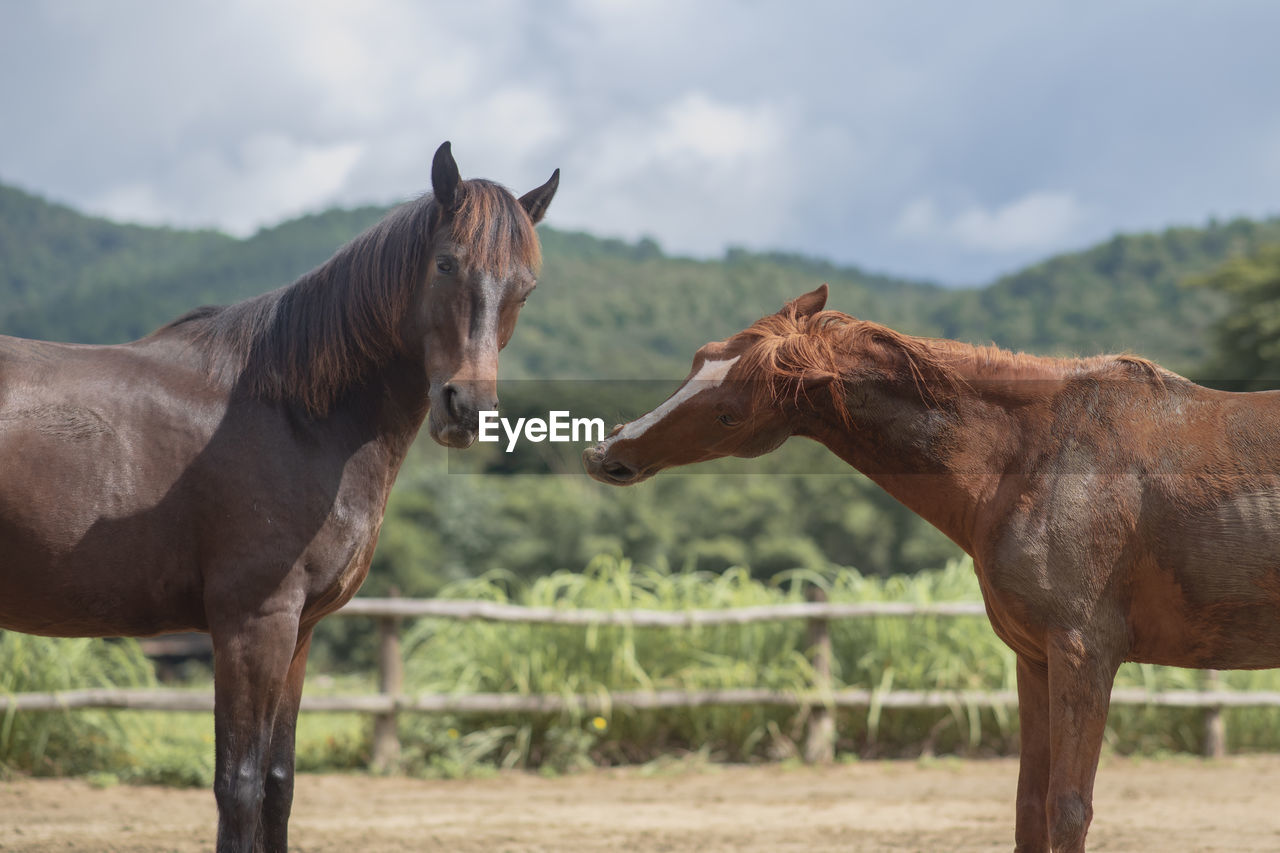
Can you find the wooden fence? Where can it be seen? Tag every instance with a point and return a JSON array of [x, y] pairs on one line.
[[821, 699]]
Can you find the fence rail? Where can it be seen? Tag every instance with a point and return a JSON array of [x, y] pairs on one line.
[[164, 699], [492, 611], [391, 700]]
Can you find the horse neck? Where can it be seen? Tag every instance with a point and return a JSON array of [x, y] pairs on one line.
[[337, 330], [942, 460], [302, 348], [389, 409]]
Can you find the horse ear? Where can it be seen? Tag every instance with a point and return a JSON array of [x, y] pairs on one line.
[[445, 177], [812, 380], [535, 202], [810, 303]]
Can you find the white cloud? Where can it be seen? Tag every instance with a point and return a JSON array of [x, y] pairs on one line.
[[849, 131], [690, 171], [1036, 221], [919, 218], [695, 126], [264, 178]]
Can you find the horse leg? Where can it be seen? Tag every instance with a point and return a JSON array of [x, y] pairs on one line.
[[1079, 690], [273, 832], [1032, 831], [251, 660]]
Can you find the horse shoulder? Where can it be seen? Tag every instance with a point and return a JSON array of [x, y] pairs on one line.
[[338, 558]]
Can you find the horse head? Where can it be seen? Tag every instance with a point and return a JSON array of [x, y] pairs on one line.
[[731, 404], [482, 265]]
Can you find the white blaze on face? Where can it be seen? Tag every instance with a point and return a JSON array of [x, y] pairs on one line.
[[710, 375]]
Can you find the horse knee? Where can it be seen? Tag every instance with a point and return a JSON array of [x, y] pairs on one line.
[[273, 830], [241, 792], [280, 779], [1069, 817]]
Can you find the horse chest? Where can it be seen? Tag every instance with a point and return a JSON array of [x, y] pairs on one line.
[[1049, 554], [1039, 558], [337, 560]]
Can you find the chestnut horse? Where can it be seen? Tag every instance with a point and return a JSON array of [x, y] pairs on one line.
[[1114, 510], [229, 473]]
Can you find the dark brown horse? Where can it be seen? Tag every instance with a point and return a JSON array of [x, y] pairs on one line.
[[229, 473], [1114, 510]]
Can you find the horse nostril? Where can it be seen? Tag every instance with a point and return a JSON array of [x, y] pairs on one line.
[[617, 470], [450, 395]]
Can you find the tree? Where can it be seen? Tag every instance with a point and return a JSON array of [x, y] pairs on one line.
[[1246, 340]]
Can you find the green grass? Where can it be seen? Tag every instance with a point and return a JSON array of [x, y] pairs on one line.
[[956, 653], [468, 657], [922, 653], [61, 743], [154, 747]]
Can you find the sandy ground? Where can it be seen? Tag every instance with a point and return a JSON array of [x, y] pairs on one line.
[[1166, 805]]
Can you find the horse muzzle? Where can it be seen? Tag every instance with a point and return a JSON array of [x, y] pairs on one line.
[[454, 417], [603, 466]]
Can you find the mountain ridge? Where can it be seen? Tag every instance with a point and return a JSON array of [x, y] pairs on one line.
[[616, 308]]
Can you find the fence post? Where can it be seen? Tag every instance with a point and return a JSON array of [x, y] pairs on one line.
[[386, 735], [1215, 726], [820, 741]]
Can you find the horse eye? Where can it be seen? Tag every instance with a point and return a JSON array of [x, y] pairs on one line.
[[727, 420], [445, 265]]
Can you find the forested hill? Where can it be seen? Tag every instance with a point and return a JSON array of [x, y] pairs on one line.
[[1129, 294], [610, 309]]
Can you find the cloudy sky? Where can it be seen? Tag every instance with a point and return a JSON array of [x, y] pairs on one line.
[[951, 141]]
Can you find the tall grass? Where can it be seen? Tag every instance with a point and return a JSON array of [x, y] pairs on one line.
[[922, 653], [67, 742], [484, 657], [132, 746], [934, 653]]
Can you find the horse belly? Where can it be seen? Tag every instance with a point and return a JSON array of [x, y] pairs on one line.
[[1210, 594], [103, 584]]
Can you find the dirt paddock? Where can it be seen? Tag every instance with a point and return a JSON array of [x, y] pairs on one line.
[[1174, 804]]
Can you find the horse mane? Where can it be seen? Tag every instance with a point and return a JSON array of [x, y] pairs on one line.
[[309, 341], [785, 348]]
